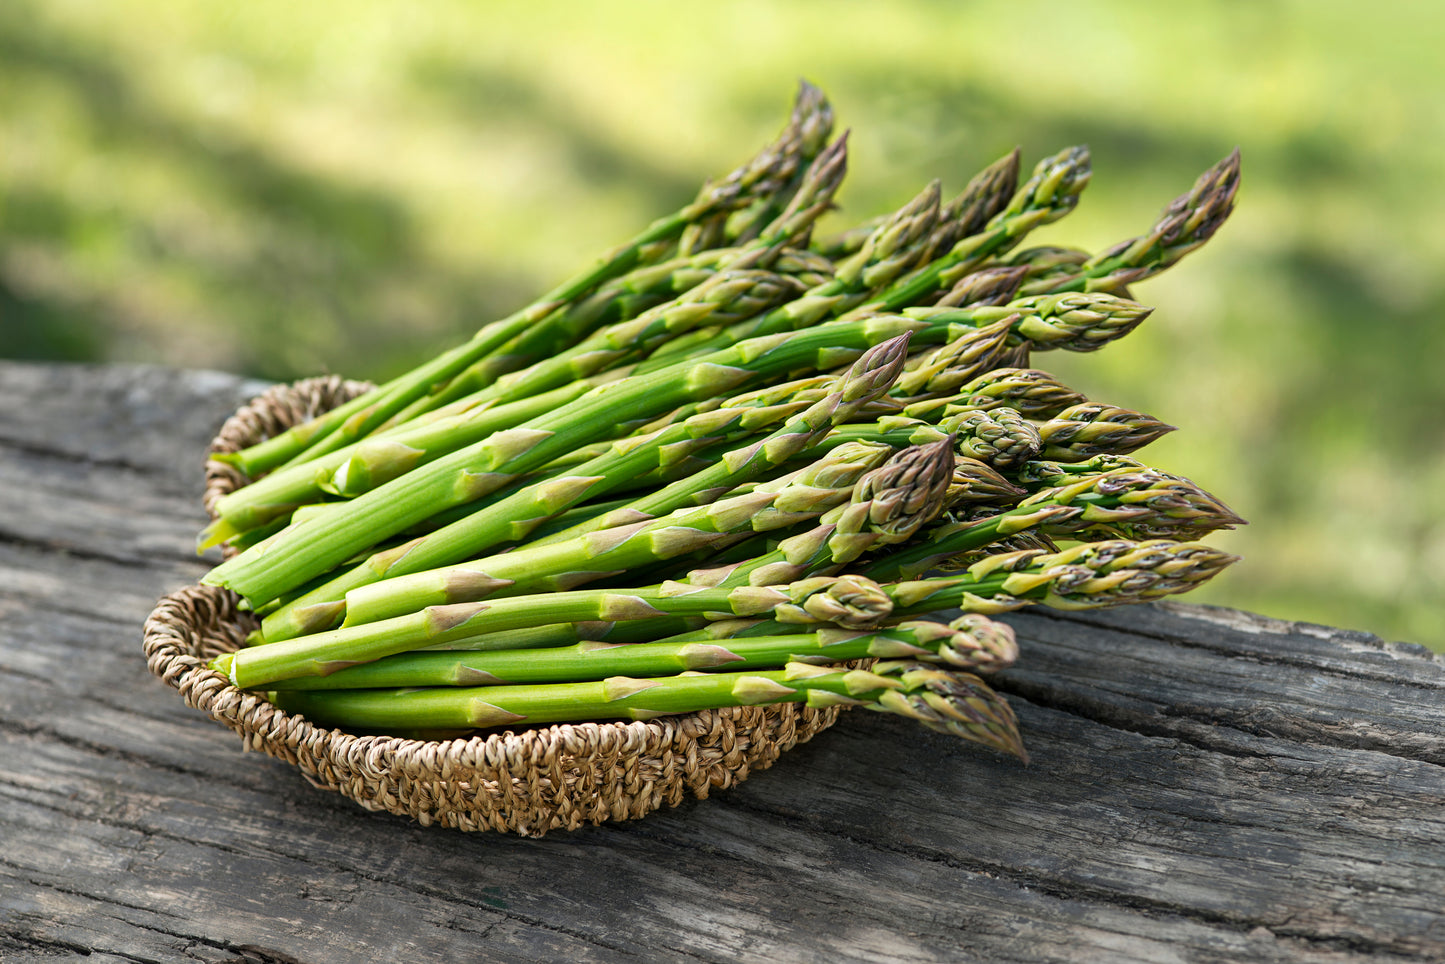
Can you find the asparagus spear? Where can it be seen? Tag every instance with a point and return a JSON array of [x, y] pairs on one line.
[[970, 643], [974, 641], [849, 602], [951, 702], [1090, 575]]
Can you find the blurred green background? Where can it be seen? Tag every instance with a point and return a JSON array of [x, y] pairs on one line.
[[283, 188]]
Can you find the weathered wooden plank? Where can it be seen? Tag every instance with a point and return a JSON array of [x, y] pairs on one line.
[[1206, 785]]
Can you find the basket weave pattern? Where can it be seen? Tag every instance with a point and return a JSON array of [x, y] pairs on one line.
[[525, 781]]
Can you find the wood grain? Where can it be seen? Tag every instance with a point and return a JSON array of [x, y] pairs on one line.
[[1207, 785]]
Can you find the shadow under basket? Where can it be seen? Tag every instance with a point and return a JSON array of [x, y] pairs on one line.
[[527, 781]]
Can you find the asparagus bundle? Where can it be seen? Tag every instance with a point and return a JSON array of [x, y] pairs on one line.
[[725, 459]]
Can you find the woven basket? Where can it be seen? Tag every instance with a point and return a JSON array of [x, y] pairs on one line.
[[526, 781]]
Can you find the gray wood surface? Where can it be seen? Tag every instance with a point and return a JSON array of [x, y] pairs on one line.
[[1207, 785]]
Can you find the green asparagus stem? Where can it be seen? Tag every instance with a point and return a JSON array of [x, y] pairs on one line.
[[951, 702], [849, 602], [976, 642]]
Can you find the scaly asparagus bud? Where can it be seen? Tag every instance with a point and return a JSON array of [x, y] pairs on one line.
[[1000, 437], [988, 286], [1028, 391], [985, 196], [895, 246], [943, 370], [894, 501], [951, 702], [1084, 431], [976, 483]]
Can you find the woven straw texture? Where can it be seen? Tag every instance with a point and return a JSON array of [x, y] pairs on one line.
[[527, 781]]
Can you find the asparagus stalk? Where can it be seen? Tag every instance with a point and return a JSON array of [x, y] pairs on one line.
[[971, 643], [850, 602], [951, 702], [1090, 575], [975, 642]]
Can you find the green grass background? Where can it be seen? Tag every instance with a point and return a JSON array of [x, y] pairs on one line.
[[282, 188]]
